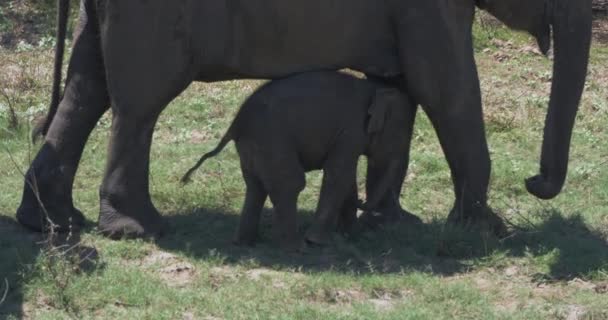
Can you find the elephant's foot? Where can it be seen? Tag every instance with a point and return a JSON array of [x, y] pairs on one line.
[[317, 236], [483, 219], [245, 240], [247, 232], [287, 241], [131, 221], [349, 229], [55, 218], [382, 217], [49, 207]]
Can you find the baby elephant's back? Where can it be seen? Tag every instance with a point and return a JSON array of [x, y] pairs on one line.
[[327, 101]]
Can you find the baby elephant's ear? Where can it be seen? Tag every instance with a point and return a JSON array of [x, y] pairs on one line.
[[384, 99]]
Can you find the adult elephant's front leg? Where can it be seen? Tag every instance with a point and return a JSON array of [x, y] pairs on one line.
[[439, 66], [458, 120], [47, 193]]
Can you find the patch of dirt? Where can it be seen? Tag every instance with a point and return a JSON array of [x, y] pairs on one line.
[[382, 304], [275, 277], [506, 50], [601, 288], [341, 296], [600, 28], [571, 312], [381, 299], [511, 271], [581, 284], [24, 22], [171, 269], [197, 136], [505, 284], [191, 316], [384, 300], [158, 257], [41, 302], [179, 274], [261, 273], [218, 275]]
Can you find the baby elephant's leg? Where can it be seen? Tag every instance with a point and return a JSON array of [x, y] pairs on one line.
[[252, 208], [285, 226], [284, 179]]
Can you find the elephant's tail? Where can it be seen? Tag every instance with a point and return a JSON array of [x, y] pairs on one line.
[[225, 140], [63, 9]]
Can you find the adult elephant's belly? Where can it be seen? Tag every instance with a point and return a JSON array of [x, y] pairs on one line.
[[274, 38]]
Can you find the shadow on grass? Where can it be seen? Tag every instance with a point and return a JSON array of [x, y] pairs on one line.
[[207, 233], [18, 249], [26, 255], [572, 248]]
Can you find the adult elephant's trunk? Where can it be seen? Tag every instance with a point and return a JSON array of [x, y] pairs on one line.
[[571, 21]]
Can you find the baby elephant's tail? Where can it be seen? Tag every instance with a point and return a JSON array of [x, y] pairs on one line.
[[225, 140]]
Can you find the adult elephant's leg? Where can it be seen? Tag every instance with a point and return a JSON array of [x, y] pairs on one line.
[[347, 219], [126, 208], [458, 120], [48, 183], [145, 69], [390, 209], [438, 59], [462, 137]]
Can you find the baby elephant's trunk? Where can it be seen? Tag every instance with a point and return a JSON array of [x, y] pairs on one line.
[[225, 140]]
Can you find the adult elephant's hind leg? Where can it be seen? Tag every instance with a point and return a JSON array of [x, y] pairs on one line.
[[147, 65], [125, 205], [47, 192], [126, 208]]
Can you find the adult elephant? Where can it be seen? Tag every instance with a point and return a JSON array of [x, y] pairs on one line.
[[138, 55]]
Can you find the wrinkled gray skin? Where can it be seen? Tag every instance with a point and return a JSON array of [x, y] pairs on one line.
[[312, 121], [138, 55]]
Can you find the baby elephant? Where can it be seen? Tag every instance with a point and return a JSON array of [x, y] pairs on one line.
[[319, 120]]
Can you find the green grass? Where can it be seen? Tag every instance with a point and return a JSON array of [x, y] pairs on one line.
[[555, 264]]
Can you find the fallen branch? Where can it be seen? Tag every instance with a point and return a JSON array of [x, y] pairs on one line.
[[5, 292]]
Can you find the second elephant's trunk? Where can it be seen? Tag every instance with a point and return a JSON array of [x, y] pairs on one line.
[[571, 21]]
